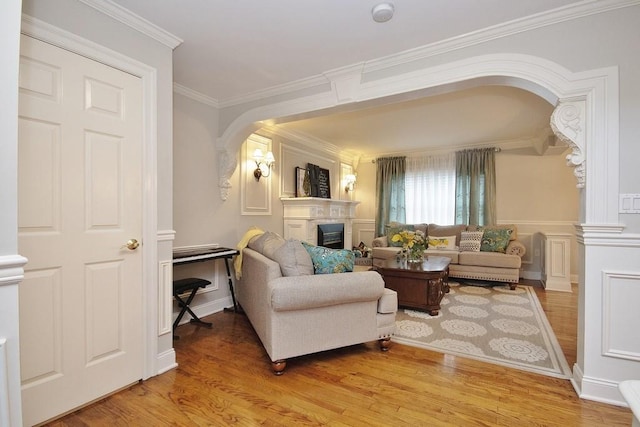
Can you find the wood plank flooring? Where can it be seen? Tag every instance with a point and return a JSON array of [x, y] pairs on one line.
[[224, 378]]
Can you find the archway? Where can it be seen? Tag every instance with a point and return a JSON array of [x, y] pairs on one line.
[[585, 118]]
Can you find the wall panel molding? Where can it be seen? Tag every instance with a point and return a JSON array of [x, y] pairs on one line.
[[620, 294]]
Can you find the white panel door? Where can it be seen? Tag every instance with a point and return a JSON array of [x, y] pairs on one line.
[[79, 201]]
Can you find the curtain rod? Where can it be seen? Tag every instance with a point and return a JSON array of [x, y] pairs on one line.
[[495, 149]]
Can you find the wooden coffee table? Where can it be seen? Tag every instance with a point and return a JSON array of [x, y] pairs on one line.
[[419, 285]]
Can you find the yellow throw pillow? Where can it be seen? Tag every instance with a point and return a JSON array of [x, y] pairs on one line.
[[442, 243]]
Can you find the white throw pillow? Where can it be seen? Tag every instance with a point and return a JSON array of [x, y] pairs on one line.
[[470, 241], [442, 243]]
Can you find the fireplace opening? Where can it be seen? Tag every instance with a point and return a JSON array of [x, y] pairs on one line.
[[331, 236]]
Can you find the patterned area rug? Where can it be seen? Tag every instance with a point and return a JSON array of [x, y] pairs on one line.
[[491, 324]]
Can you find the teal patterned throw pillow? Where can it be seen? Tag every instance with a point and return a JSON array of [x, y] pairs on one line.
[[327, 261], [495, 240]]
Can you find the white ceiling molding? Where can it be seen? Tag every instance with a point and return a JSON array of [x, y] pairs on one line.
[[543, 19], [301, 84], [573, 11], [312, 142], [195, 95], [134, 21], [345, 82]]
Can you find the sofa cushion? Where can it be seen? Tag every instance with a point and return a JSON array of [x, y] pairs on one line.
[[394, 228], [327, 261], [470, 241], [452, 255], [266, 243], [495, 240], [293, 258], [435, 230], [443, 243], [489, 259]]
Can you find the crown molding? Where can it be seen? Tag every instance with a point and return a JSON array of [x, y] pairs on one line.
[[532, 22], [282, 89], [195, 95], [562, 14], [134, 21], [312, 142]]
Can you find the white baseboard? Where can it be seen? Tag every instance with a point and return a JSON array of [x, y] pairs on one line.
[[596, 389], [166, 361]]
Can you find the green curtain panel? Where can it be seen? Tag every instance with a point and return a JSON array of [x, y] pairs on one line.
[[390, 204], [476, 187]]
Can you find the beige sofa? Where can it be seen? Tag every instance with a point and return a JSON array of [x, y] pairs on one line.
[[475, 265], [306, 313]]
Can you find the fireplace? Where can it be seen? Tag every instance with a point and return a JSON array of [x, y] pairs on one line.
[[303, 215], [331, 235]]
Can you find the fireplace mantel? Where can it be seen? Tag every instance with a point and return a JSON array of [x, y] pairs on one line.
[[302, 215]]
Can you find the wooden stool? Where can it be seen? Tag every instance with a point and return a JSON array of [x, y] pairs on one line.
[[181, 286]]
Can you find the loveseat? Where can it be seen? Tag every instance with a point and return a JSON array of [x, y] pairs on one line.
[[295, 311], [490, 253]]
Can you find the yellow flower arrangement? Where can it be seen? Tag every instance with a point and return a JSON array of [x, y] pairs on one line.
[[413, 243]]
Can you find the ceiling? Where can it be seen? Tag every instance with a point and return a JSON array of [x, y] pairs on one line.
[[235, 48]]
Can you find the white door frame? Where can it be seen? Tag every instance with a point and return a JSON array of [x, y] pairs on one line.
[[48, 33]]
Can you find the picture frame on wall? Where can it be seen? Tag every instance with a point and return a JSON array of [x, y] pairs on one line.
[[320, 181], [303, 184]]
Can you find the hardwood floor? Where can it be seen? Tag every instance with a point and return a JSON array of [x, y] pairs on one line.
[[224, 378]]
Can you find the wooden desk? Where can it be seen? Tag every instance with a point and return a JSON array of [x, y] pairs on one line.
[[419, 285], [207, 254]]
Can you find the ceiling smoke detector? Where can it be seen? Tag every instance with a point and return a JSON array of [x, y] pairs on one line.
[[382, 12]]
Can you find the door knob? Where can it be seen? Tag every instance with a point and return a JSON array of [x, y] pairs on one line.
[[132, 244]]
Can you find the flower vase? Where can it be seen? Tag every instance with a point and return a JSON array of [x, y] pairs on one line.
[[415, 255]]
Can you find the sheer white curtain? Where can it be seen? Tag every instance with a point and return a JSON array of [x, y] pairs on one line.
[[430, 189]]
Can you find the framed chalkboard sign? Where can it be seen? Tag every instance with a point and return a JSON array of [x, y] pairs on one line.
[[320, 181]]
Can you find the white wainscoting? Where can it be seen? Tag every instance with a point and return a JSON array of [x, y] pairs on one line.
[[531, 234], [364, 230], [556, 275], [620, 315], [165, 287], [4, 384]]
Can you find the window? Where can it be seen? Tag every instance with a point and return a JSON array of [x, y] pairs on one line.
[[430, 189]]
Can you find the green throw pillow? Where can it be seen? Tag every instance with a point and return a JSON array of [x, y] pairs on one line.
[[393, 229], [495, 240], [326, 260]]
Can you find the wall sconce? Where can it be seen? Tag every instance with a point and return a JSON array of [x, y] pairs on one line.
[[263, 164], [350, 182]]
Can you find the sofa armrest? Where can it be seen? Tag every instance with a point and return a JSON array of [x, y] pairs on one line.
[[322, 290], [388, 303], [380, 242], [516, 247]]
